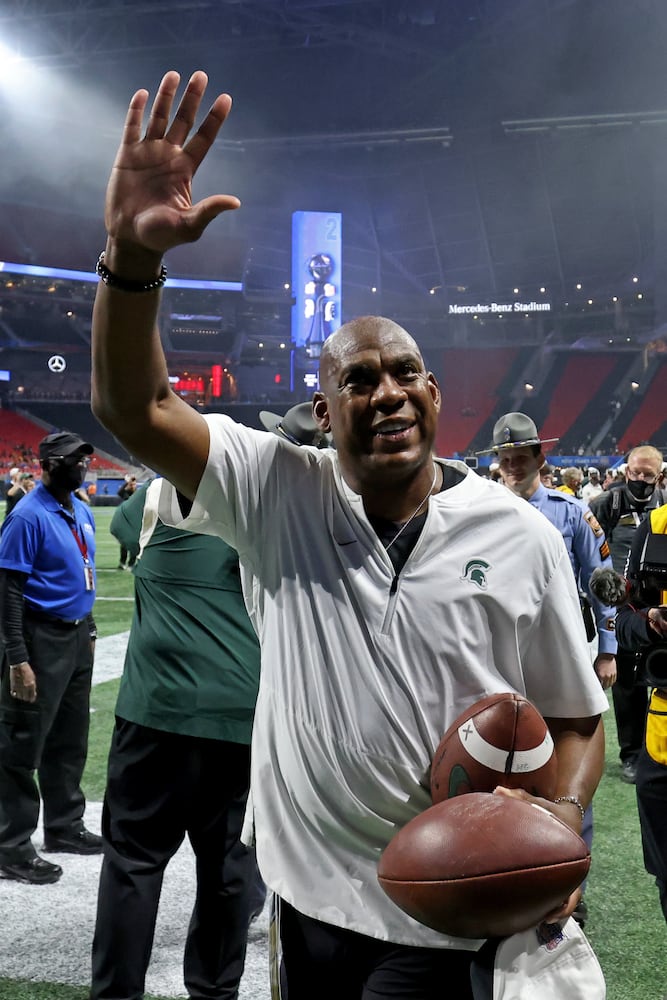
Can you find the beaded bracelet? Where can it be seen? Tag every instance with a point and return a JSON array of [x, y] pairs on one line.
[[125, 284], [573, 800]]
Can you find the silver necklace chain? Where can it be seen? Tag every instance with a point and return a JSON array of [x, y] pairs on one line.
[[415, 511]]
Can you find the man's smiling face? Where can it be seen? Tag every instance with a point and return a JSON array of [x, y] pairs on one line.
[[379, 401]]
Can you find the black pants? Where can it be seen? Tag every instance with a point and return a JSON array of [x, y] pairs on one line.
[[49, 736], [160, 787], [329, 963], [651, 789], [630, 701]]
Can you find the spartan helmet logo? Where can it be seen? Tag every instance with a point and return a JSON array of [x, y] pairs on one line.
[[475, 571]]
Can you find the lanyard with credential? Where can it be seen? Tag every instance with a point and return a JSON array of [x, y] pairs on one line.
[[83, 549]]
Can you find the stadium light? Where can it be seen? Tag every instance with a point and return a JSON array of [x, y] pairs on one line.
[[13, 67]]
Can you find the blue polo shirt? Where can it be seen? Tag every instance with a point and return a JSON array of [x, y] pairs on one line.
[[586, 549], [38, 538]]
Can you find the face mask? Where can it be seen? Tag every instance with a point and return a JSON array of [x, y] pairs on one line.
[[67, 477], [640, 491]]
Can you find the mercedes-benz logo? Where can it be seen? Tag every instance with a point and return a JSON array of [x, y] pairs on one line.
[[57, 363]]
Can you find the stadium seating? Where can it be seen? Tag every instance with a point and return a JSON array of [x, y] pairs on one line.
[[20, 436], [470, 385], [648, 422]]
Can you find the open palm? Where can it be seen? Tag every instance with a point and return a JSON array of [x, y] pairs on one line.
[[149, 196]]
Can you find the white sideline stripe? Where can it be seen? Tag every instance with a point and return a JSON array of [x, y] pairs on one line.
[[496, 759], [109, 657]]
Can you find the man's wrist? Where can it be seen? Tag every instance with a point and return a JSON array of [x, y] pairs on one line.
[[573, 801], [132, 262], [113, 280], [18, 666]]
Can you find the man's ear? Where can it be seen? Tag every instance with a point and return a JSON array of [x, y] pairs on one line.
[[321, 412], [435, 390]]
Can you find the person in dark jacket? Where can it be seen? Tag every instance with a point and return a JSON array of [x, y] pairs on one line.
[[619, 512], [179, 759], [641, 624]]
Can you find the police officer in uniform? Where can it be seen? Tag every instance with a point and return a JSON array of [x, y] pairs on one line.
[[519, 449]]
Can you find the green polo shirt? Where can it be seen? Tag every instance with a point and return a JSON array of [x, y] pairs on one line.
[[192, 662]]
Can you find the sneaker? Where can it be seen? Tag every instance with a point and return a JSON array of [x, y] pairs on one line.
[[35, 871], [629, 771], [83, 842]]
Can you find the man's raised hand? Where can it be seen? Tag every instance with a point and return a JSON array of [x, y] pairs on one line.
[[149, 196]]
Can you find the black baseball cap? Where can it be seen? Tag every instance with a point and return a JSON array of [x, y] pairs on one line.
[[62, 444]]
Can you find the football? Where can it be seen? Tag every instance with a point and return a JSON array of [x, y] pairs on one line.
[[500, 740], [483, 865]]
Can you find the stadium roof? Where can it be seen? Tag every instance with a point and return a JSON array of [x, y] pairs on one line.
[[473, 146]]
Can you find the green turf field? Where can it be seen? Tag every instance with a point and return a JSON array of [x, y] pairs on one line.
[[115, 588], [625, 927]]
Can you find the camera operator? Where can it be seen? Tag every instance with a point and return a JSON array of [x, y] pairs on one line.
[[641, 625], [620, 511]]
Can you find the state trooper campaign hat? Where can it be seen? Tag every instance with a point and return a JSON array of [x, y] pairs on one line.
[[297, 425], [62, 444], [515, 430]]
